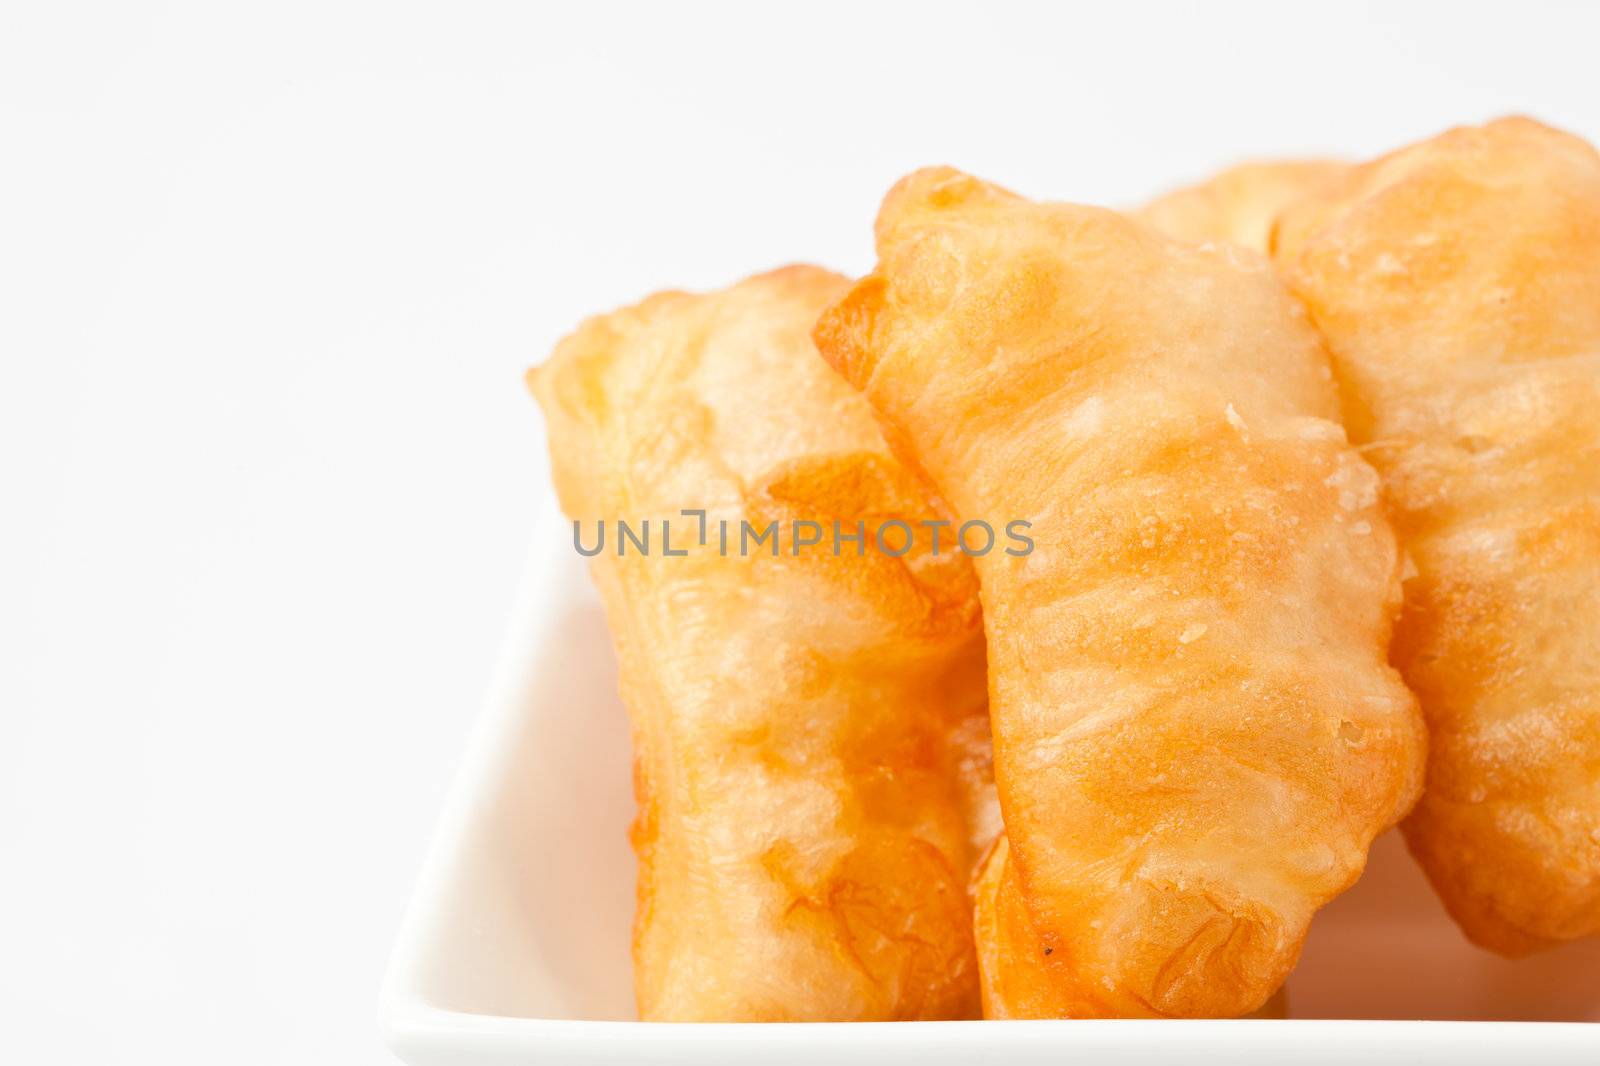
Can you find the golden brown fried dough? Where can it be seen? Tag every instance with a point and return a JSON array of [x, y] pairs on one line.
[[802, 839], [1458, 285], [1196, 733], [1023, 986], [1241, 203]]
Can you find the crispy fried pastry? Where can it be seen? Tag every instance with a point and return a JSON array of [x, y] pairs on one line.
[[1457, 283], [1241, 203], [1196, 733], [807, 725]]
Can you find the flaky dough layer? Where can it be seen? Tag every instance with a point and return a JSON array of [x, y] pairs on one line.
[[1458, 285], [1196, 733], [805, 725]]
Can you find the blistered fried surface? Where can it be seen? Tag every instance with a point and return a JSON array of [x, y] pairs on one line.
[[1240, 204], [802, 835], [1196, 733], [1458, 285]]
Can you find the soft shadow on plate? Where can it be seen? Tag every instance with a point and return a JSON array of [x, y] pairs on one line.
[[1386, 949], [539, 922]]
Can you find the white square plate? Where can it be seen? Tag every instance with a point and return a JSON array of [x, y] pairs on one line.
[[515, 948]]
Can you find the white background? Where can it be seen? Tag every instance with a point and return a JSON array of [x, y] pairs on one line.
[[269, 277]]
